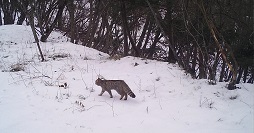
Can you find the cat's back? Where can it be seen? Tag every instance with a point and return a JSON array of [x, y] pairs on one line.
[[111, 83], [115, 83]]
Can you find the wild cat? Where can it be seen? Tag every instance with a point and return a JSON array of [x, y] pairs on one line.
[[119, 85]]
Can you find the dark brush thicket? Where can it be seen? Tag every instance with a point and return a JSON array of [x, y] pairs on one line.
[[210, 39]]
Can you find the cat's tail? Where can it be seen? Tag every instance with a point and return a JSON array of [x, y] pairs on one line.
[[131, 94]]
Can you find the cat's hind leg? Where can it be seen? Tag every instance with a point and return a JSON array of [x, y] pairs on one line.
[[125, 96], [121, 97], [110, 93]]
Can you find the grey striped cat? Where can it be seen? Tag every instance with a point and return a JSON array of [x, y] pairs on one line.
[[119, 85]]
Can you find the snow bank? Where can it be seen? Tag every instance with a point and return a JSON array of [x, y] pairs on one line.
[[168, 100]]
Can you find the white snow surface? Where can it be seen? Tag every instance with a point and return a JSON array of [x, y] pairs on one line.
[[167, 100]]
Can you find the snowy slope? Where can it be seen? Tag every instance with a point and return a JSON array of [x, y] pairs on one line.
[[167, 100]]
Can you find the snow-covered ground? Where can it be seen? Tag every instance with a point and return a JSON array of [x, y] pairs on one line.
[[167, 100]]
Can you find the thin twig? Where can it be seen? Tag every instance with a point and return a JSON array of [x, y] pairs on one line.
[[111, 105], [245, 103]]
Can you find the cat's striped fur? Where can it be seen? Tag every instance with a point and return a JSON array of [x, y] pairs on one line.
[[119, 85]]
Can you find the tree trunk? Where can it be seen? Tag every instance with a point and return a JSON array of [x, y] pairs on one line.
[[251, 79], [8, 8], [93, 22], [147, 38], [180, 62], [31, 20], [222, 72], [125, 35], [212, 70], [245, 74], [142, 36], [71, 8], [0, 16], [48, 31], [153, 46], [213, 31], [202, 72], [240, 73], [194, 61], [21, 18], [170, 30], [229, 75], [127, 29]]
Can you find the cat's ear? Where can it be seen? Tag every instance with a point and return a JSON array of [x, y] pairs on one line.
[[98, 75], [101, 77]]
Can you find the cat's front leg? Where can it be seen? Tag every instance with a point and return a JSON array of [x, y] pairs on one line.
[[102, 91]]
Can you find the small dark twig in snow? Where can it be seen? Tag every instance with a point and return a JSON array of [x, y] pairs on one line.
[[92, 107], [245, 103], [241, 120], [244, 87], [111, 105], [160, 103]]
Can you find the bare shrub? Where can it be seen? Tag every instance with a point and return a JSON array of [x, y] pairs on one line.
[[59, 55], [17, 67]]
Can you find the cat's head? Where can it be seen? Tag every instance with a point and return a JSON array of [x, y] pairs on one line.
[[98, 81]]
